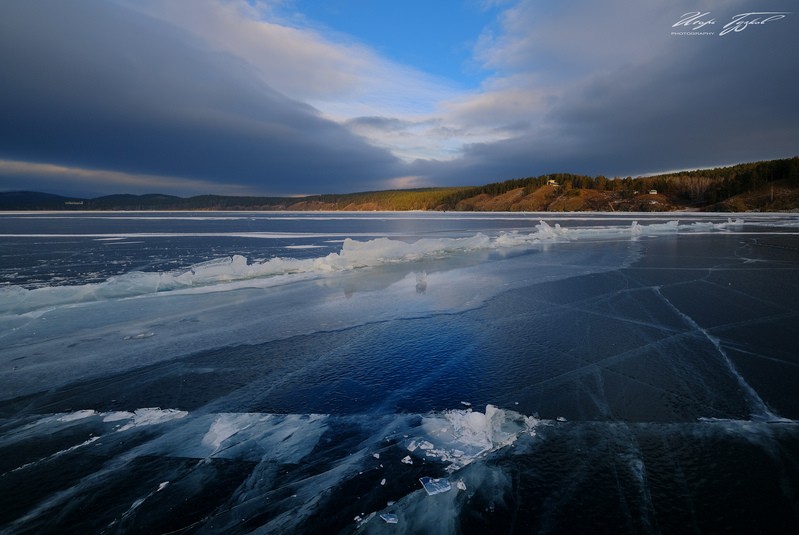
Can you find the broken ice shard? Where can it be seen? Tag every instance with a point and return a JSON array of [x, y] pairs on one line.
[[435, 486], [389, 518]]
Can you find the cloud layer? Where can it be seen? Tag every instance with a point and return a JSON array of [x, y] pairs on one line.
[[229, 97]]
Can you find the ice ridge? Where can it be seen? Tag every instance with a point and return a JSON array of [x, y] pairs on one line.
[[237, 271]]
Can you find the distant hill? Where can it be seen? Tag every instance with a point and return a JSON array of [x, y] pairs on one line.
[[768, 186], [33, 200]]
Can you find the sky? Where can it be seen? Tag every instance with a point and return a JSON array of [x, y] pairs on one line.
[[299, 97]]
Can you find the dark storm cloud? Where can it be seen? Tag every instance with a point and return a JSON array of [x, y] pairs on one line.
[[92, 85], [380, 123], [685, 102], [715, 102]]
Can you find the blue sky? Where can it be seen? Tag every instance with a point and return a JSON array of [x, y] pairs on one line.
[[293, 97], [433, 36]]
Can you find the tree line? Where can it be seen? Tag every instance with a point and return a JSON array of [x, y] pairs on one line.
[[700, 188]]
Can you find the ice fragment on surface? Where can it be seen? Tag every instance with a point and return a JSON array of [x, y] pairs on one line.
[[376, 455], [460, 484], [407, 459], [412, 446], [383, 482], [561, 419], [425, 445], [363, 518], [466, 404], [389, 518], [435, 486], [464, 435], [140, 336]]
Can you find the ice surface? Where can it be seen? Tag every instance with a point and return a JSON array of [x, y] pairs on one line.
[[89, 338], [222, 302], [219, 274], [667, 407], [296, 466]]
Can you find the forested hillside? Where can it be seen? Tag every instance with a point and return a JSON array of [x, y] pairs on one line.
[[770, 185]]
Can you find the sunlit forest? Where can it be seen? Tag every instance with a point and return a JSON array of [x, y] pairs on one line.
[[766, 185]]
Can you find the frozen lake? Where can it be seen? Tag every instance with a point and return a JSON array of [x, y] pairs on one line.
[[303, 372]]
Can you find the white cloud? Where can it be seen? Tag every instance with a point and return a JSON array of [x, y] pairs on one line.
[[331, 71], [340, 77], [557, 75]]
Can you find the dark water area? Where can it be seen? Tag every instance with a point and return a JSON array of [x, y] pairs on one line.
[[591, 378]]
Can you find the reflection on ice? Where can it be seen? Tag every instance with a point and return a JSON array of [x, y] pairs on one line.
[[238, 272]]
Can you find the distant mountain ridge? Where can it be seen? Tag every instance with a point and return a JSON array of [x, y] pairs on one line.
[[771, 185]]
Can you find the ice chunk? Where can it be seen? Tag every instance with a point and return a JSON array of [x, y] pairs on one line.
[[383, 482], [376, 455], [463, 435], [407, 459], [389, 518], [460, 484], [435, 486]]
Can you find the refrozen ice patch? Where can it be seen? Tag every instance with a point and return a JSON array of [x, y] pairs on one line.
[[458, 437], [77, 415], [149, 416], [247, 436]]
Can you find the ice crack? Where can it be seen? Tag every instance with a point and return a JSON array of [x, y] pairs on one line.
[[760, 408]]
